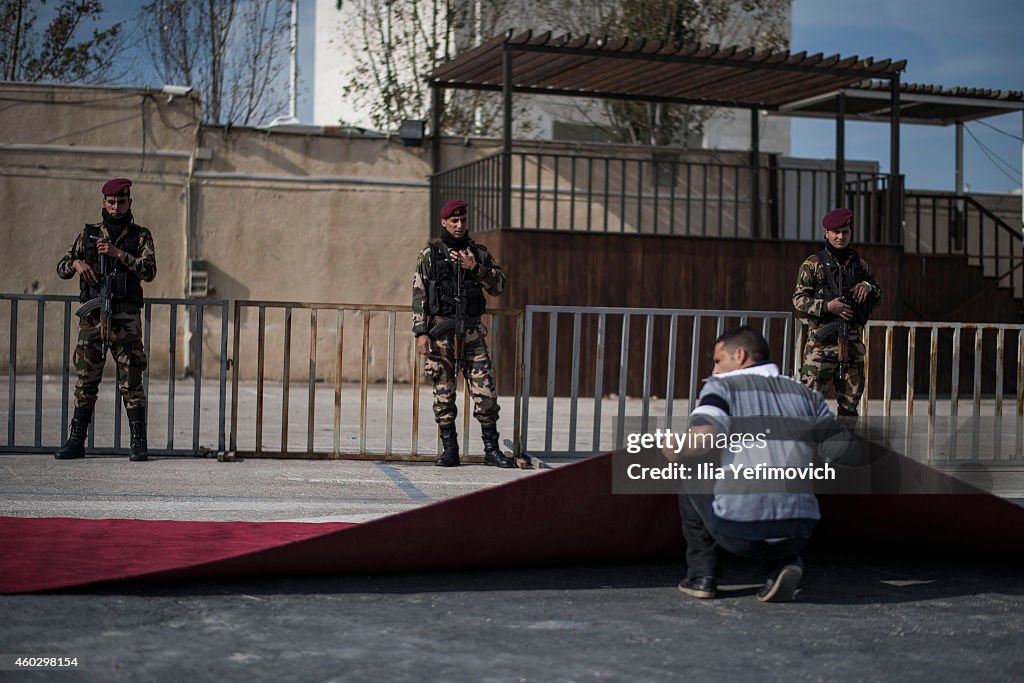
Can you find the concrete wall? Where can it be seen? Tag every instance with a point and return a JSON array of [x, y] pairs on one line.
[[58, 145], [312, 219], [277, 216], [283, 217]]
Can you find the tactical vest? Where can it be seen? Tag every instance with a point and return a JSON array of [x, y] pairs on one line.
[[126, 286], [441, 287], [846, 276]]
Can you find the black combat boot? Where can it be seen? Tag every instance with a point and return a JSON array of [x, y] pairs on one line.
[[450, 442], [492, 451], [74, 447], [137, 426]]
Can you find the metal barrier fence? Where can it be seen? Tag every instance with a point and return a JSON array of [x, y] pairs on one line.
[[348, 439], [160, 320], [638, 360], [665, 371], [960, 358]]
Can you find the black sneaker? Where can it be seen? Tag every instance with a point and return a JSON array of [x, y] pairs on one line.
[[781, 584], [703, 587]]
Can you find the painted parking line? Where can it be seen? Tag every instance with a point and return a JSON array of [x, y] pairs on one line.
[[403, 483]]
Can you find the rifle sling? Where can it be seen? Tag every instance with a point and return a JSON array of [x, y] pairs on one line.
[[829, 263]]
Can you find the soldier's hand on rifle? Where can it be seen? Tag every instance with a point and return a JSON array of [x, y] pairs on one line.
[[861, 291], [86, 271], [423, 344], [107, 249], [466, 258], [837, 307]]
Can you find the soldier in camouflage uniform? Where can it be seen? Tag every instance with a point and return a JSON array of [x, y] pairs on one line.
[[127, 250], [434, 301], [817, 298]]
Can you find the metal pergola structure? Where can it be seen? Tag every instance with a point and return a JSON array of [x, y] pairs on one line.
[[922, 104], [659, 72]]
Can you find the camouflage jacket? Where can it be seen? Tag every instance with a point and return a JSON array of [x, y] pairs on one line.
[[487, 272], [812, 278], [143, 265]]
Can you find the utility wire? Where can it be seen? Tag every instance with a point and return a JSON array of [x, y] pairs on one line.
[[999, 130], [985, 148], [1006, 164], [998, 162]]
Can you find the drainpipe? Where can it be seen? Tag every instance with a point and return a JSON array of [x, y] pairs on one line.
[[187, 235]]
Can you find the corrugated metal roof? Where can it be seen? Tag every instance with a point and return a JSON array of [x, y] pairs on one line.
[[919, 103], [640, 69]]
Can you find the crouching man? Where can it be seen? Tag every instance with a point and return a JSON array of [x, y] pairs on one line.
[[771, 524]]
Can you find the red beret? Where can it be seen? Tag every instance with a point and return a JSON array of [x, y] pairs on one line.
[[836, 218], [118, 187], [456, 207]]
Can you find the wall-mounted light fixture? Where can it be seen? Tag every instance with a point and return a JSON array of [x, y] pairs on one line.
[[412, 132]]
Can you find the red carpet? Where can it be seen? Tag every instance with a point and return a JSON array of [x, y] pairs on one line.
[[53, 552], [566, 515], [563, 515]]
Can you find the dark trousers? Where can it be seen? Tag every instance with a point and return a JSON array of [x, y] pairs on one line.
[[702, 545]]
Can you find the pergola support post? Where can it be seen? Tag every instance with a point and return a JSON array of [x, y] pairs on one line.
[[506, 145], [755, 173], [895, 181], [841, 150], [896, 189], [436, 114]]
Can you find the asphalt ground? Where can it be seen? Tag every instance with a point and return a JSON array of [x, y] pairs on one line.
[[856, 618], [875, 617], [859, 616]]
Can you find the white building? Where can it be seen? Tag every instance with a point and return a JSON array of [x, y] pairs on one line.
[[550, 118]]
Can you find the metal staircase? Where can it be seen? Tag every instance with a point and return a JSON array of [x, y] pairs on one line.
[[938, 223]]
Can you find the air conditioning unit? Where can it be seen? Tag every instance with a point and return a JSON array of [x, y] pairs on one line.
[[198, 279]]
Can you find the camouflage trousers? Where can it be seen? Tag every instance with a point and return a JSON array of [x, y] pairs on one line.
[[819, 371], [476, 368], [128, 352]]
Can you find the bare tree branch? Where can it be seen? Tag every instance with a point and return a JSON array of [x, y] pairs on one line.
[[401, 42], [258, 65], [231, 52], [53, 53]]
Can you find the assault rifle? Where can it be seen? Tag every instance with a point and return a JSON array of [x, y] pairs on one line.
[[841, 328], [458, 323], [104, 303]]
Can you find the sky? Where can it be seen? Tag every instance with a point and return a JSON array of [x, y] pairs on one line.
[[139, 72], [973, 43]]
